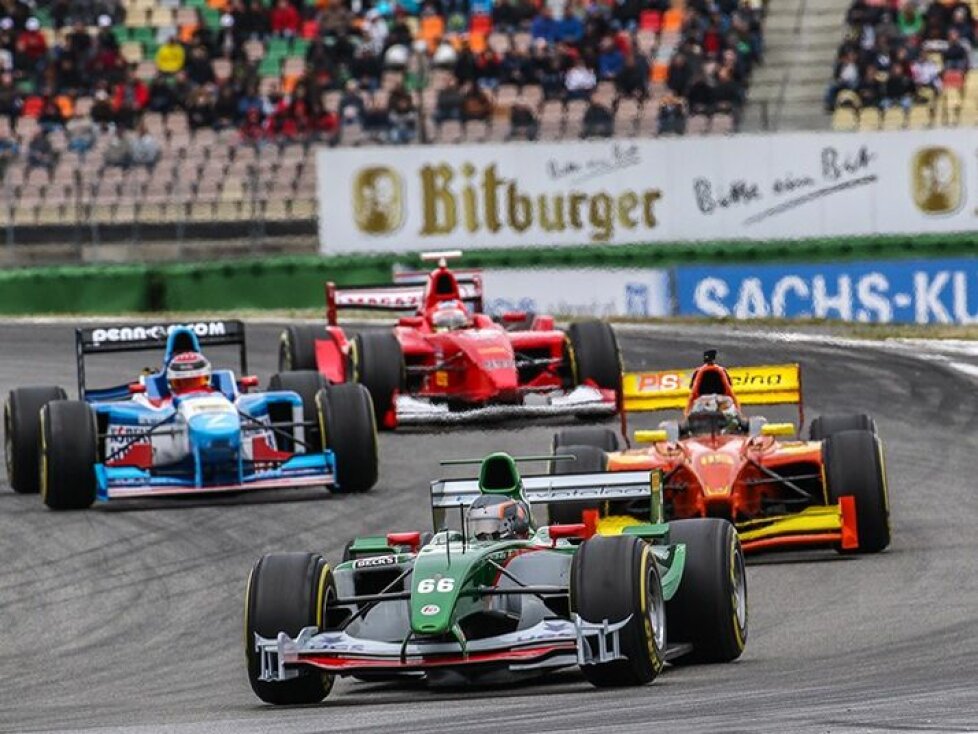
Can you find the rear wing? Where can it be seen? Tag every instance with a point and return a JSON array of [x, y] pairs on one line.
[[405, 295], [108, 339], [669, 389], [448, 494]]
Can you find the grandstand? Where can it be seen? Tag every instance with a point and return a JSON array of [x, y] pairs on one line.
[[905, 65], [204, 110]]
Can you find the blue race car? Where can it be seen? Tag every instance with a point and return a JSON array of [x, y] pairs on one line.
[[185, 429]]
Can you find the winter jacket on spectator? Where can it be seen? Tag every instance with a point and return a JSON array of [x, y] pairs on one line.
[[544, 26], [132, 94], [610, 62], [31, 46], [570, 29], [870, 90], [199, 69], [910, 21], [162, 97], [284, 18], [679, 75], [700, 96], [633, 78], [476, 105], [170, 57]]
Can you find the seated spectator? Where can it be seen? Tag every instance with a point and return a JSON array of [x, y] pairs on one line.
[[50, 118], [401, 115], [598, 122], [285, 19], [700, 96], [200, 108], [448, 105], [367, 68], [672, 115], [956, 55], [610, 59], [41, 154], [569, 29], [249, 100], [846, 76], [523, 124], [170, 56], [516, 68], [505, 16], [926, 73], [910, 21], [351, 105], [9, 151], [129, 100], [376, 121], [145, 149], [632, 80], [488, 70], [10, 100], [679, 75], [198, 67], [476, 106], [102, 112], [118, 152], [579, 82], [899, 90], [551, 80], [30, 50], [81, 136], [225, 107], [963, 24], [162, 96], [253, 129], [728, 96], [544, 27], [870, 90]]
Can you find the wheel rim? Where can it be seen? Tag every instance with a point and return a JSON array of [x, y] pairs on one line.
[[656, 609], [740, 589]]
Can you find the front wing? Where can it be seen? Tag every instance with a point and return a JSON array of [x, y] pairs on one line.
[[302, 470], [582, 401], [831, 525], [552, 643]]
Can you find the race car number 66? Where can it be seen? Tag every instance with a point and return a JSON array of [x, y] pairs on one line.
[[442, 586]]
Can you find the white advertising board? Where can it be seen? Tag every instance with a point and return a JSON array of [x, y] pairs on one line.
[[412, 198]]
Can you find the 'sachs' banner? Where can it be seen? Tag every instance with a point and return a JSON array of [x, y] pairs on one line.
[[578, 291], [403, 199], [909, 291]]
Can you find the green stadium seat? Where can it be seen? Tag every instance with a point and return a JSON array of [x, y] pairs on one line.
[[270, 67]]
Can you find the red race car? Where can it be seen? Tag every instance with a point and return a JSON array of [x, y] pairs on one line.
[[829, 491], [447, 361]]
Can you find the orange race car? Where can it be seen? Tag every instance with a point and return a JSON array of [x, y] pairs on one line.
[[781, 493]]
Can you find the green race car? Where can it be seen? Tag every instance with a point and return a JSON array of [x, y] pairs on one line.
[[500, 597]]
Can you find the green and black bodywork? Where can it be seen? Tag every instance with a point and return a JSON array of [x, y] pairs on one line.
[[458, 610]]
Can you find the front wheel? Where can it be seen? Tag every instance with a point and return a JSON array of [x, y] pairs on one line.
[[69, 452], [349, 430], [854, 466], [709, 610], [596, 356], [22, 437], [614, 578], [587, 460], [286, 592], [379, 366], [297, 347]]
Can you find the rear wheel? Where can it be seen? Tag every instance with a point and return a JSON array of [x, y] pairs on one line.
[[306, 384], [22, 437], [286, 592], [297, 347], [69, 452], [854, 465], [826, 425], [614, 578], [596, 355], [379, 366], [709, 610], [587, 459], [350, 432]]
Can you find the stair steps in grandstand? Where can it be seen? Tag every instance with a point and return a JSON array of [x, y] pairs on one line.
[[786, 92]]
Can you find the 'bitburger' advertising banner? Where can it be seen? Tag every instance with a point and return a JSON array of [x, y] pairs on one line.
[[788, 186]]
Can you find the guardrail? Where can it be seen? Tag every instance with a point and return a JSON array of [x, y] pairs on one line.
[[297, 281]]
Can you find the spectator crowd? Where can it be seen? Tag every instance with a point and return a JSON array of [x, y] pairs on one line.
[[78, 70], [899, 53]]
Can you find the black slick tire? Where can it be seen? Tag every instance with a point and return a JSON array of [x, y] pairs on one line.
[[22, 437], [297, 347], [709, 610], [379, 366], [601, 438], [349, 430], [596, 355], [855, 465], [286, 592], [824, 426], [68, 454], [614, 577]]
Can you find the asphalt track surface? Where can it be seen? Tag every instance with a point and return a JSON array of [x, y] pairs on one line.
[[130, 619]]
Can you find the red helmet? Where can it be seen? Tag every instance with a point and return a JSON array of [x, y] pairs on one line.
[[188, 371]]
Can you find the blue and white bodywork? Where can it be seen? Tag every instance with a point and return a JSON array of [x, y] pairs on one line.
[[222, 439]]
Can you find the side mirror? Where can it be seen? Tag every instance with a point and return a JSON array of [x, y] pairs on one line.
[[412, 540], [778, 429], [413, 322], [513, 317], [657, 436], [575, 530], [136, 388]]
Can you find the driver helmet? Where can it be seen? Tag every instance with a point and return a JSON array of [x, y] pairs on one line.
[[496, 517], [187, 372], [449, 316], [717, 404]]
